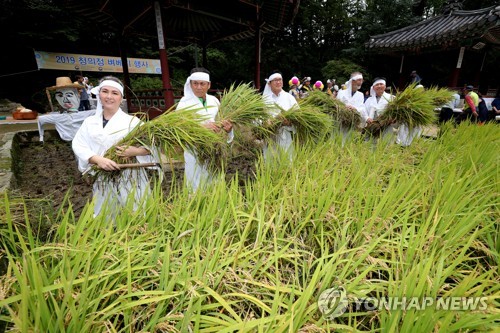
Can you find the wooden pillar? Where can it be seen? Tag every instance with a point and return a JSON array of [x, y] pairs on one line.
[[479, 73], [168, 94], [456, 72], [401, 83], [258, 42], [204, 56], [126, 75]]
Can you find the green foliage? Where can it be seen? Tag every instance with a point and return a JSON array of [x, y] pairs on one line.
[[340, 114], [145, 82], [341, 69]]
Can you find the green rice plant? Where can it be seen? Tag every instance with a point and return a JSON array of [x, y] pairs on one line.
[[324, 102], [245, 109], [440, 96], [170, 131], [377, 221]]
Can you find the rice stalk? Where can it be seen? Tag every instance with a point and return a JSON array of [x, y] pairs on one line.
[[440, 96], [244, 108], [216, 156]]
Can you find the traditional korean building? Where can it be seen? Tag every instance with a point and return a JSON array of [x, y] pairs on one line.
[[461, 43]]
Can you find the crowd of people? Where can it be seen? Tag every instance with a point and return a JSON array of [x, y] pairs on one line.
[[93, 132], [301, 88], [473, 107]]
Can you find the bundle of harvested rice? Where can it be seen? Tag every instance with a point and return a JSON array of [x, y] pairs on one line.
[[373, 128], [242, 106], [440, 96], [346, 117], [309, 123], [245, 109], [324, 102], [414, 106], [339, 112], [169, 133]]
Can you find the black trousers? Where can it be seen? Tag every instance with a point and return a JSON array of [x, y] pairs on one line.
[[84, 105], [446, 114]]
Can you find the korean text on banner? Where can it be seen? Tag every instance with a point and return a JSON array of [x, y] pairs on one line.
[[94, 63]]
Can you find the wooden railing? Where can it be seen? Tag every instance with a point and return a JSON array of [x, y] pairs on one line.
[[152, 102]]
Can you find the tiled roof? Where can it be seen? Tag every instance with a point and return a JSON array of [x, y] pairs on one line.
[[443, 29]]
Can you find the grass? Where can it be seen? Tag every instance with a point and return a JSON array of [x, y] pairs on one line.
[[379, 221]]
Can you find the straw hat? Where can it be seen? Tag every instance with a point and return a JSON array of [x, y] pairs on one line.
[[64, 82]]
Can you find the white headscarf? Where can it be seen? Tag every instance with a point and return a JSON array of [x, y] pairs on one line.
[[372, 91], [267, 88], [95, 91], [199, 76], [348, 84]]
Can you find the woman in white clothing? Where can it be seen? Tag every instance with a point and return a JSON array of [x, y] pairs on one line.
[[99, 133]]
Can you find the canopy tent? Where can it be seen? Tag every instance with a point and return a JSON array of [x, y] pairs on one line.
[[196, 21], [474, 30]]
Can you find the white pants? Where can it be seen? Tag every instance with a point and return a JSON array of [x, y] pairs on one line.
[[283, 141], [406, 135], [195, 173], [113, 194]]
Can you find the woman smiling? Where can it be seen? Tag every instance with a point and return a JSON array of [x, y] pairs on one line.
[[100, 133]]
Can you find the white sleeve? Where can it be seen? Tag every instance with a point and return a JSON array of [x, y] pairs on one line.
[[359, 104], [81, 148], [368, 113], [230, 136]]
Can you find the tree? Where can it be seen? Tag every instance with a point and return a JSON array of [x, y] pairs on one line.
[[341, 70]]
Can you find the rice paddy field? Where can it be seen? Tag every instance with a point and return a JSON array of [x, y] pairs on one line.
[[254, 255]]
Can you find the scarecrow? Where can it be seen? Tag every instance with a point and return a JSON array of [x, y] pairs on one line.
[[69, 119]]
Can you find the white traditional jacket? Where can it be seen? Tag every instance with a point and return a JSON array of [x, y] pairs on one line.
[[357, 100], [375, 108]]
